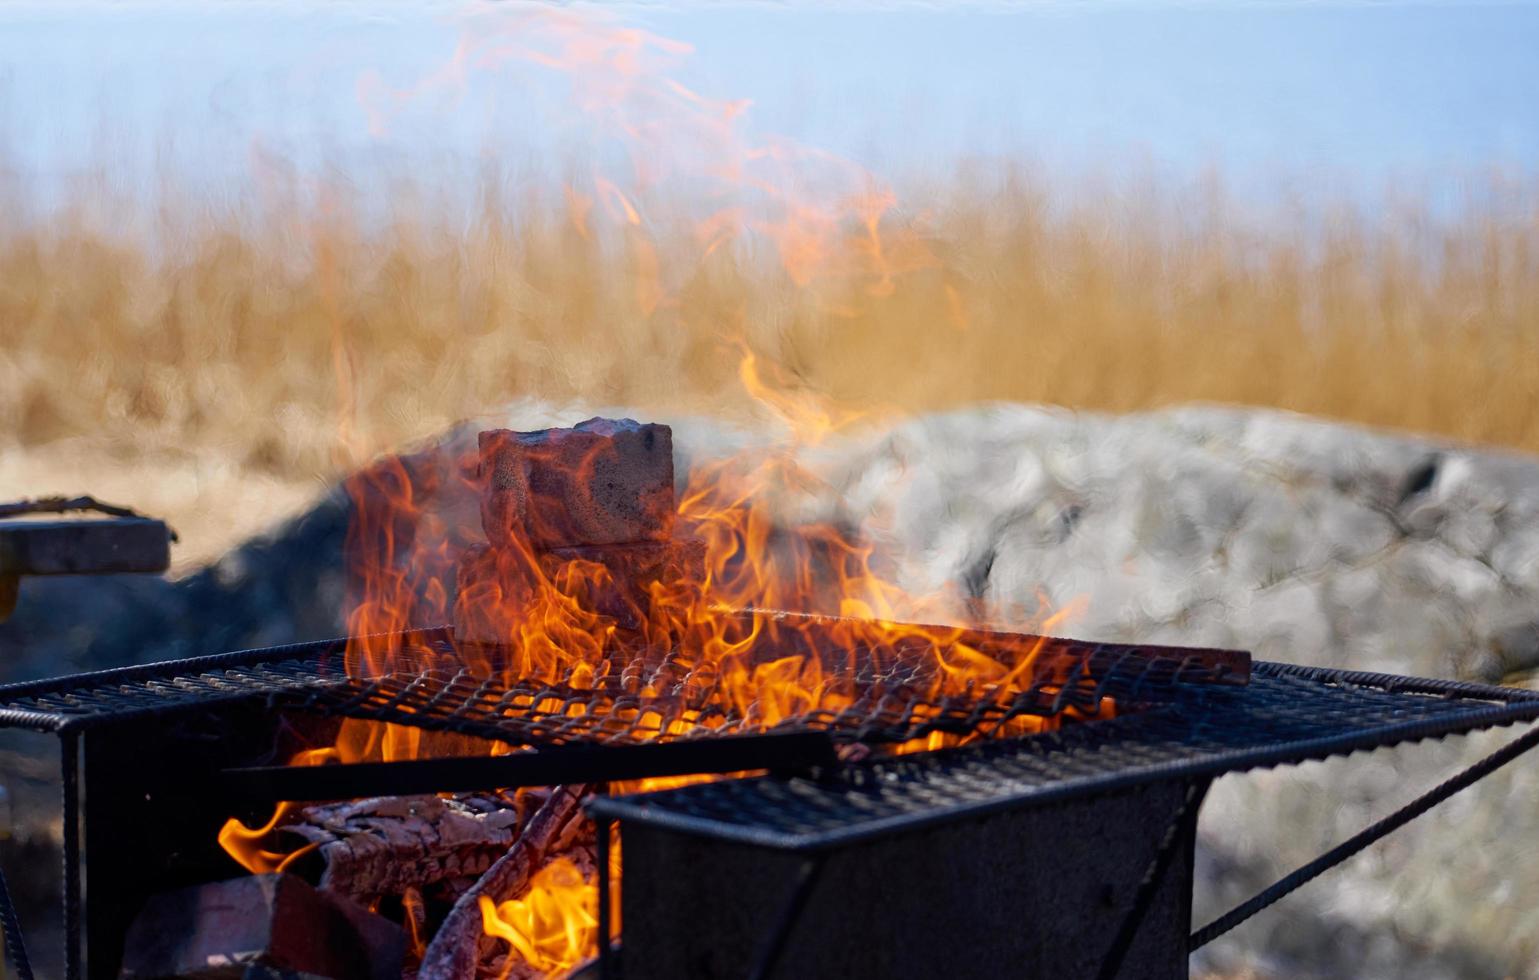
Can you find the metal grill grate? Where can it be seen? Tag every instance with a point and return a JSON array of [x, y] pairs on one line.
[[1287, 714], [648, 699]]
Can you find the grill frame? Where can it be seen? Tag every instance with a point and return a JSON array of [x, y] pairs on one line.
[[1184, 733]]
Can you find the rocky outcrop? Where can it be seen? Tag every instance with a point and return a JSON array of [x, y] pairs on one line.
[[1302, 541]]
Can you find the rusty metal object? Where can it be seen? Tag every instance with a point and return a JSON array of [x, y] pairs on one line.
[[1207, 665]]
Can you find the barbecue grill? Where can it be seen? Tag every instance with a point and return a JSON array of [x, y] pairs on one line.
[[841, 841]]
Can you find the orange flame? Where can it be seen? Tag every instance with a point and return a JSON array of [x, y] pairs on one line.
[[245, 844], [829, 223], [554, 925]]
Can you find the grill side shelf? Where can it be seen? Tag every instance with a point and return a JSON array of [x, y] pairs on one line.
[[1289, 715], [77, 702]]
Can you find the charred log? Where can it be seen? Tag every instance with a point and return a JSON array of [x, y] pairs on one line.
[[390, 845], [461, 941]]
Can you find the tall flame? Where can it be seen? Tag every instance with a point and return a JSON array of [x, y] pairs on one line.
[[831, 228]]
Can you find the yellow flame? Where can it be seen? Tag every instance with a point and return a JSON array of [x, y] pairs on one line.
[[552, 927]]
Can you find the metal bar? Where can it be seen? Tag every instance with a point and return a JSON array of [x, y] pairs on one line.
[[1180, 829], [1364, 838], [775, 941], [606, 959], [546, 767], [69, 766], [15, 946], [65, 505], [1232, 667]]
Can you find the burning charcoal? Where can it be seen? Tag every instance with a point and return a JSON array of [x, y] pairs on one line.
[[602, 482], [273, 921]]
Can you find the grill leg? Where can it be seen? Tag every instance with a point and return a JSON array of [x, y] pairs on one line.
[[69, 748], [606, 957]]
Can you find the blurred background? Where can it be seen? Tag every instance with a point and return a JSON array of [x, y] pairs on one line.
[[243, 247], [246, 248]]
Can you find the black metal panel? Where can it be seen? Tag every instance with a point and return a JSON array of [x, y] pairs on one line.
[[153, 813], [1034, 892], [1287, 714]]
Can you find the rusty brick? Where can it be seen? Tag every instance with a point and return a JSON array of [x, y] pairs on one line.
[[604, 481], [272, 921]]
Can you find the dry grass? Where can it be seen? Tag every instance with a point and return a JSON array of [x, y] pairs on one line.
[[263, 345]]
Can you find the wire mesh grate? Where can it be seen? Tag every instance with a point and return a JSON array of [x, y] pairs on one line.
[[1287, 714], [643, 698]]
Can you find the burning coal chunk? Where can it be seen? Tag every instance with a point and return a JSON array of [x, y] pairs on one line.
[[276, 922], [602, 482]]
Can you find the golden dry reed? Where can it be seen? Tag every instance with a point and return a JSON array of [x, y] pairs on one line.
[[291, 333]]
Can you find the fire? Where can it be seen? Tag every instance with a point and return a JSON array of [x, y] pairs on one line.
[[245, 844], [737, 621], [728, 617], [554, 925]]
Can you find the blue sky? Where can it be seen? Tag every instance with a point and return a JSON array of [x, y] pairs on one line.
[[1358, 93]]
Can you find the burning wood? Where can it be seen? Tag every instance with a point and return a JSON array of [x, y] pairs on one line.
[[457, 949], [389, 845]]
